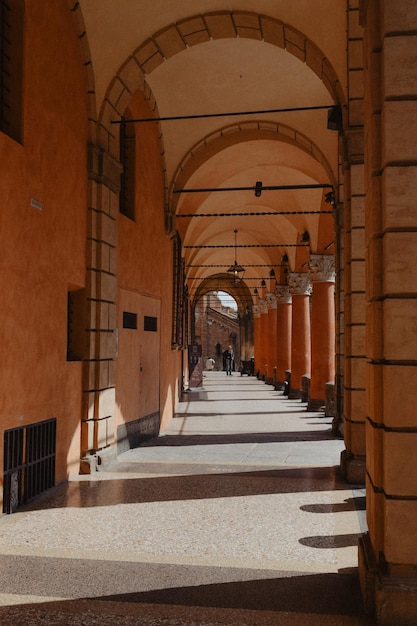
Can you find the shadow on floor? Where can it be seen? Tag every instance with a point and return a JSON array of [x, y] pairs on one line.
[[336, 594], [113, 492], [351, 504], [329, 596], [206, 440]]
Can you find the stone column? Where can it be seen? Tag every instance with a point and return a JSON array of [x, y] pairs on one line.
[[246, 327], [322, 274], [300, 289], [263, 352], [283, 345], [98, 431], [271, 303], [256, 312], [388, 552]]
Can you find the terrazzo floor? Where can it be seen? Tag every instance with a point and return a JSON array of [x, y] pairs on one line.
[[235, 516]]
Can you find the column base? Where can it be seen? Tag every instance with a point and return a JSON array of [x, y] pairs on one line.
[[106, 457], [295, 394], [98, 460], [315, 404], [390, 600], [353, 468], [282, 386], [88, 464], [338, 427]]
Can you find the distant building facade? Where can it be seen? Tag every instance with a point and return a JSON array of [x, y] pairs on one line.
[[216, 327]]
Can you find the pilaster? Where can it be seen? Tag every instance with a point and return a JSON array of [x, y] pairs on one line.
[[388, 552], [352, 227], [98, 432]]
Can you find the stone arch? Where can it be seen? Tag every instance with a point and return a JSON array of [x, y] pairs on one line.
[[239, 133], [244, 300], [104, 174], [78, 18], [222, 282], [198, 29]]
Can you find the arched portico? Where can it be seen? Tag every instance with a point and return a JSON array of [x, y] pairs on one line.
[[298, 157], [239, 103], [241, 294]]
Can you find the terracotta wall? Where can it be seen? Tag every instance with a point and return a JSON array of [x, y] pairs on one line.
[[145, 265], [43, 248]]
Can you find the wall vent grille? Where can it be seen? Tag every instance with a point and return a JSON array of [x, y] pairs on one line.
[[29, 462]]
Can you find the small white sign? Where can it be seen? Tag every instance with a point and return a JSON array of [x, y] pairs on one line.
[[36, 204]]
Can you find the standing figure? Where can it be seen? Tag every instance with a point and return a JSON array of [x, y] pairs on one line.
[[229, 357]]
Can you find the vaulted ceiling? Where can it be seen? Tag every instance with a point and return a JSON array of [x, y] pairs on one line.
[[242, 57]]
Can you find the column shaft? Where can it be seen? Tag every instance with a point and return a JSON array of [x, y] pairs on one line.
[[263, 335], [271, 346], [301, 338], [256, 337], [322, 328], [283, 343], [300, 289]]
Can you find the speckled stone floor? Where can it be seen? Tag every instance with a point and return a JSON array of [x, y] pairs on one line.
[[235, 516]]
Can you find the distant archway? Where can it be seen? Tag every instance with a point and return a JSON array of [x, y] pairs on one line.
[[241, 294]]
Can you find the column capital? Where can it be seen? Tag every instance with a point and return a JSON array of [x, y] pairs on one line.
[[263, 307], [271, 301], [299, 284], [322, 268], [256, 311], [282, 293]]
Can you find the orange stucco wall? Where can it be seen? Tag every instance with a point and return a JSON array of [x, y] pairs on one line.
[[43, 250], [145, 266]]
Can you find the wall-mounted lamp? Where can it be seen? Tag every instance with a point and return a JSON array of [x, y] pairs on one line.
[[329, 198], [258, 189], [284, 258], [305, 237], [236, 269], [334, 118]]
